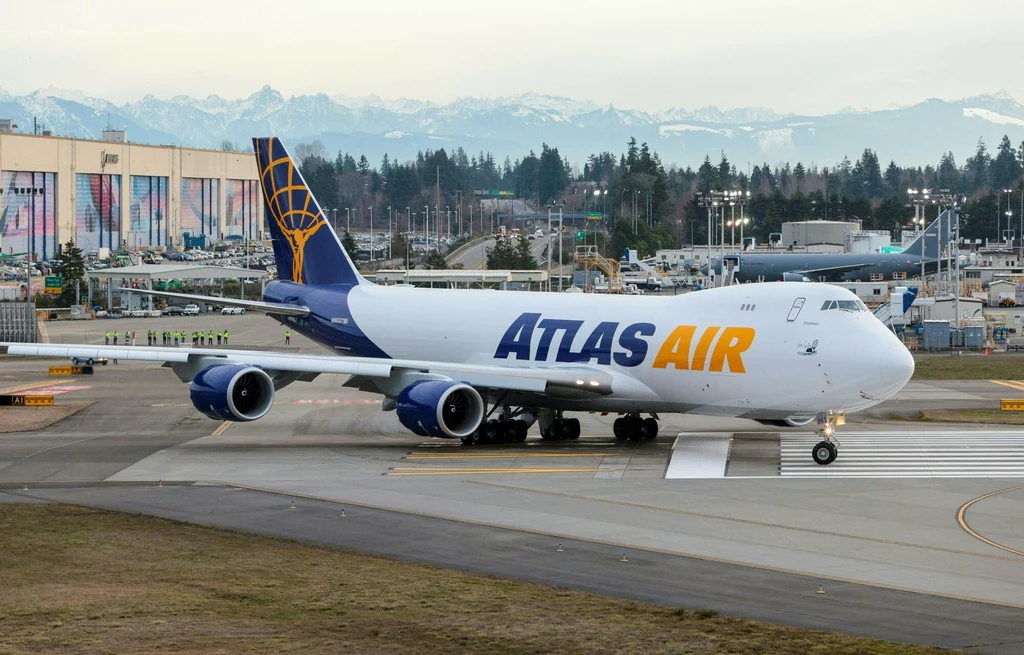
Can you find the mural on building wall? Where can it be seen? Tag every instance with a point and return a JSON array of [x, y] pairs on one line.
[[148, 211], [242, 197], [200, 206], [97, 211], [28, 213]]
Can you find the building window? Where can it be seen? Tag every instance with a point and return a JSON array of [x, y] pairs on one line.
[[148, 211], [899, 276], [877, 277], [28, 213], [97, 211]]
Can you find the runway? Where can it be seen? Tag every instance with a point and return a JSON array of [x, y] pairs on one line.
[[899, 557]]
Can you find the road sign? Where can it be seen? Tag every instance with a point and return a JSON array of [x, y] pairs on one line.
[[54, 284], [581, 235], [594, 216], [26, 401], [71, 370]]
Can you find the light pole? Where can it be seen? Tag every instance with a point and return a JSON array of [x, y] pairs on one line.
[[348, 220], [426, 225], [371, 234], [390, 235], [999, 206], [560, 248], [743, 221], [920, 198]]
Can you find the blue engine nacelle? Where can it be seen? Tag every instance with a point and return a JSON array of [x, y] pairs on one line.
[[232, 392], [440, 408]]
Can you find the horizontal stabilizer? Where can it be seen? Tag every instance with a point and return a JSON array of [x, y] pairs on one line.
[[279, 309]]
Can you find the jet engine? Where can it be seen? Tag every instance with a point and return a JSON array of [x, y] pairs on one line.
[[232, 392], [795, 277], [440, 408]]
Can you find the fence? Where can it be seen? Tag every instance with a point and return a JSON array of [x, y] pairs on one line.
[[18, 322]]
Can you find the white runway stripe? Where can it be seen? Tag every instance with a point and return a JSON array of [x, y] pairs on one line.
[[906, 454]]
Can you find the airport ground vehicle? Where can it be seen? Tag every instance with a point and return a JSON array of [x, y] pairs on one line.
[[231, 311], [190, 310], [773, 353]]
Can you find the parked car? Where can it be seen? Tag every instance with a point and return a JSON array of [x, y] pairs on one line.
[[230, 311], [174, 310], [190, 310]]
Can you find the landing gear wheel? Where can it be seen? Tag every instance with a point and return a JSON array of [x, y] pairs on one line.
[[473, 438], [572, 428], [519, 430], [650, 428], [824, 453], [619, 429], [488, 433]]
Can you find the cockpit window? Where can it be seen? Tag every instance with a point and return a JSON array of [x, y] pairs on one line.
[[845, 305]]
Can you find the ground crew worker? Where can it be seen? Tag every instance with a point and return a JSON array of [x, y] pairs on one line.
[[287, 337], [225, 337], [220, 336], [149, 337], [106, 338], [127, 338], [209, 337], [175, 337], [115, 337], [202, 338]]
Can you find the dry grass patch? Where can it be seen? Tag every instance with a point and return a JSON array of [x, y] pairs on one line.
[[82, 580], [998, 366]]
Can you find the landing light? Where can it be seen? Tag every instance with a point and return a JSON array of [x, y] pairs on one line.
[[595, 383], [828, 430], [579, 381]]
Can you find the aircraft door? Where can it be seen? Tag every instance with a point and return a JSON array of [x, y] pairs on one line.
[[794, 311]]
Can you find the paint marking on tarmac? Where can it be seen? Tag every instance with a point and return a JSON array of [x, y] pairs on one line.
[[34, 385], [220, 429], [961, 518], [488, 471], [336, 401], [501, 455], [1013, 384], [55, 390]]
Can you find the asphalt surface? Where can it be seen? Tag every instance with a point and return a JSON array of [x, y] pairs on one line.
[[750, 548]]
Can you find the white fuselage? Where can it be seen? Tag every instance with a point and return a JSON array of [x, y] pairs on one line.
[[767, 351]]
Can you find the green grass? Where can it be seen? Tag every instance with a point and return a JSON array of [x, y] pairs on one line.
[[80, 580], [973, 416], [1001, 366]]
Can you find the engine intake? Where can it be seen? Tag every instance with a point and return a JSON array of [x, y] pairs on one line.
[[440, 408], [232, 392]]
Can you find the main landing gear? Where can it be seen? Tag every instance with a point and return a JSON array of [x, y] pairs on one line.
[[633, 428], [826, 451], [497, 431], [561, 428]]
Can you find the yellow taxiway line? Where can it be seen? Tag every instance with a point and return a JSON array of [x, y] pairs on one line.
[[220, 429], [503, 455], [34, 385], [1013, 384], [961, 518], [486, 471]]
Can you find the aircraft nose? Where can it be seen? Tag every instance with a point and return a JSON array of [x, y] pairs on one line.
[[895, 366]]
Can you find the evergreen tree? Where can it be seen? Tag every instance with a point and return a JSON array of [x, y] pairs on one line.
[[320, 176], [552, 176], [1005, 169], [71, 267], [893, 177], [349, 244], [363, 167], [435, 261], [799, 174], [977, 168]]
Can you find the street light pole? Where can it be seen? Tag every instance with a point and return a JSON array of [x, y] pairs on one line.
[[390, 235]]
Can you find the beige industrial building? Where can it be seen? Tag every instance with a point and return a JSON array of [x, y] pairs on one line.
[[113, 194]]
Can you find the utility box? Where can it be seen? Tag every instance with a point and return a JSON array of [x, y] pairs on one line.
[[974, 336], [936, 335]]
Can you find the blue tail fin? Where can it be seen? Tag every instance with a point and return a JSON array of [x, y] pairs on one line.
[[306, 249], [933, 239]]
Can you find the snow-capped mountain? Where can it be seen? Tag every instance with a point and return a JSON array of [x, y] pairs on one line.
[[514, 125]]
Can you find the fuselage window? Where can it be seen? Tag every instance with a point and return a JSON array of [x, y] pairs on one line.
[[849, 305]]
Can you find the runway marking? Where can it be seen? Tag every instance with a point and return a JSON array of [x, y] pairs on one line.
[[961, 518], [220, 429], [55, 390], [398, 471], [502, 455], [34, 385], [171, 405], [765, 524], [1013, 384], [336, 401], [619, 544]]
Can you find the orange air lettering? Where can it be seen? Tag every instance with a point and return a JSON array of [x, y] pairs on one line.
[[676, 349], [700, 355], [733, 342]]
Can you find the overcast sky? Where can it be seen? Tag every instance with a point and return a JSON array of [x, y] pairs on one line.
[[804, 56]]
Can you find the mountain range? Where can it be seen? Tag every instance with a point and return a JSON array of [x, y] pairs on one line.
[[514, 125]]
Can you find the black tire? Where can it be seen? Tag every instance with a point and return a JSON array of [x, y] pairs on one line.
[[650, 428], [89, 361], [619, 428], [488, 433], [634, 428], [557, 430], [572, 426], [824, 453], [520, 431]]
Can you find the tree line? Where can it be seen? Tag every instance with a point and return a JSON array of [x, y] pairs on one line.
[[648, 206]]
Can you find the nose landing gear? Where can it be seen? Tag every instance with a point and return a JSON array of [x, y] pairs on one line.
[[826, 451]]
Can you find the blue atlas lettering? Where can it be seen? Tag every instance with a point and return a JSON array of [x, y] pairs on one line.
[[630, 340], [598, 345], [549, 327], [518, 337]]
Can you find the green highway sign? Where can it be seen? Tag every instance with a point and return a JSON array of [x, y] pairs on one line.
[[581, 235], [594, 216], [54, 284]]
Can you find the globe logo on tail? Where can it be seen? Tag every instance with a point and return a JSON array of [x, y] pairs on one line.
[[290, 203]]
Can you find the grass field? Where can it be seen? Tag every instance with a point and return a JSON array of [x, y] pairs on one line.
[[973, 416], [80, 580], [1003, 366]]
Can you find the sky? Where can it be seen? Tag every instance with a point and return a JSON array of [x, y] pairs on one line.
[[794, 56]]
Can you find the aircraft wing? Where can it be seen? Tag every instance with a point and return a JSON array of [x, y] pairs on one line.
[[269, 307], [384, 374]]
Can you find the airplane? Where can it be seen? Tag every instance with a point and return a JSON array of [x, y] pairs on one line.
[[840, 267], [484, 366]]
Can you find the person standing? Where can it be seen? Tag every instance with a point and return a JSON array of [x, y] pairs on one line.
[[225, 337], [106, 338], [287, 337], [127, 338], [115, 337], [209, 337]]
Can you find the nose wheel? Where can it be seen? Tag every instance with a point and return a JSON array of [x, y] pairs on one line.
[[826, 450]]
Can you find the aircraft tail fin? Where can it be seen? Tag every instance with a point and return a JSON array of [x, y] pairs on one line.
[[933, 240], [306, 249]]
